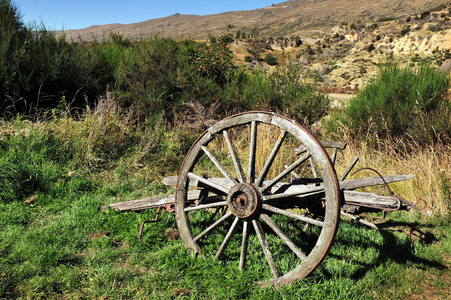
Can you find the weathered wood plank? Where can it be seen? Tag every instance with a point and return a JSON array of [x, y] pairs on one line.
[[326, 144], [150, 202], [172, 181], [348, 185], [372, 181], [370, 199]]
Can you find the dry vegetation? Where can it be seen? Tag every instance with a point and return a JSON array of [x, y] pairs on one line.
[[430, 165]]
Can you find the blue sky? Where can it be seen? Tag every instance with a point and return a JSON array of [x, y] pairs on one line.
[[75, 14]]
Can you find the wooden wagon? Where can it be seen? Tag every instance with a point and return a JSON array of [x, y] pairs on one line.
[[262, 176]]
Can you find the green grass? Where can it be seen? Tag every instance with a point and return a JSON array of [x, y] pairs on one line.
[[79, 251], [61, 244]]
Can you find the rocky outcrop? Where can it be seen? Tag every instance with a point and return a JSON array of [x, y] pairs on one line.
[[259, 45]]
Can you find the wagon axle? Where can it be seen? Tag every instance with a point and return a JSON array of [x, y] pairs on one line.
[[244, 200]]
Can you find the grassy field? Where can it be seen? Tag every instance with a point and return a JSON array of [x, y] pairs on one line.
[[55, 242]]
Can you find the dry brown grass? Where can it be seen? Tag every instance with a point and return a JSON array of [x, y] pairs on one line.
[[431, 166]]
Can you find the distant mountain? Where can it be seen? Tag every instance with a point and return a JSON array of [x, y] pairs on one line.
[[304, 18]]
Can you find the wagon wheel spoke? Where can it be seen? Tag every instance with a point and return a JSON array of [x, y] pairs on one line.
[[235, 159], [272, 156], [215, 224], [253, 145], [265, 247], [221, 168], [283, 236], [284, 173], [205, 206], [313, 167], [292, 215], [227, 238], [244, 245], [208, 182]]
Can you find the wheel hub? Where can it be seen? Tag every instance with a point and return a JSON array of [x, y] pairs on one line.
[[244, 200]]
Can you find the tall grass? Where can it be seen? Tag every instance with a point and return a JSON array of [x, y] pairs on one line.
[[32, 161], [431, 165]]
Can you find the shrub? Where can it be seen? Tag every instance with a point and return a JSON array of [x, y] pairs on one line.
[[161, 74], [270, 60], [400, 104], [386, 19], [371, 47], [39, 70], [13, 38], [405, 30], [424, 14], [284, 92]]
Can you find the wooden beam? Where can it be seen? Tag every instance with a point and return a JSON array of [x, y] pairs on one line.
[[372, 181], [150, 202]]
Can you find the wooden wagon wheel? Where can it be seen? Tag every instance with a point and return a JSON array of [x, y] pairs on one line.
[[244, 214]]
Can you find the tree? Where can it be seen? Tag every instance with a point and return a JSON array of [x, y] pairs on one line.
[[13, 37]]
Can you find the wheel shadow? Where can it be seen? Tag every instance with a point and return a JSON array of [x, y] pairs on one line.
[[391, 247]]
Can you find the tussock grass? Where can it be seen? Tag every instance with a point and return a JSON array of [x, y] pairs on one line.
[[430, 165]]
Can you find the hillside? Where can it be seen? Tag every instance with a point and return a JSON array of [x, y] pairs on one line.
[[304, 18], [349, 55]]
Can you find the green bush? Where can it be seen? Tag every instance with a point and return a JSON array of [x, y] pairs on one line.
[[40, 71], [424, 14], [270, 60], [281, 91], [400, 104], [386, 19], [162, 74], [13, 38]]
